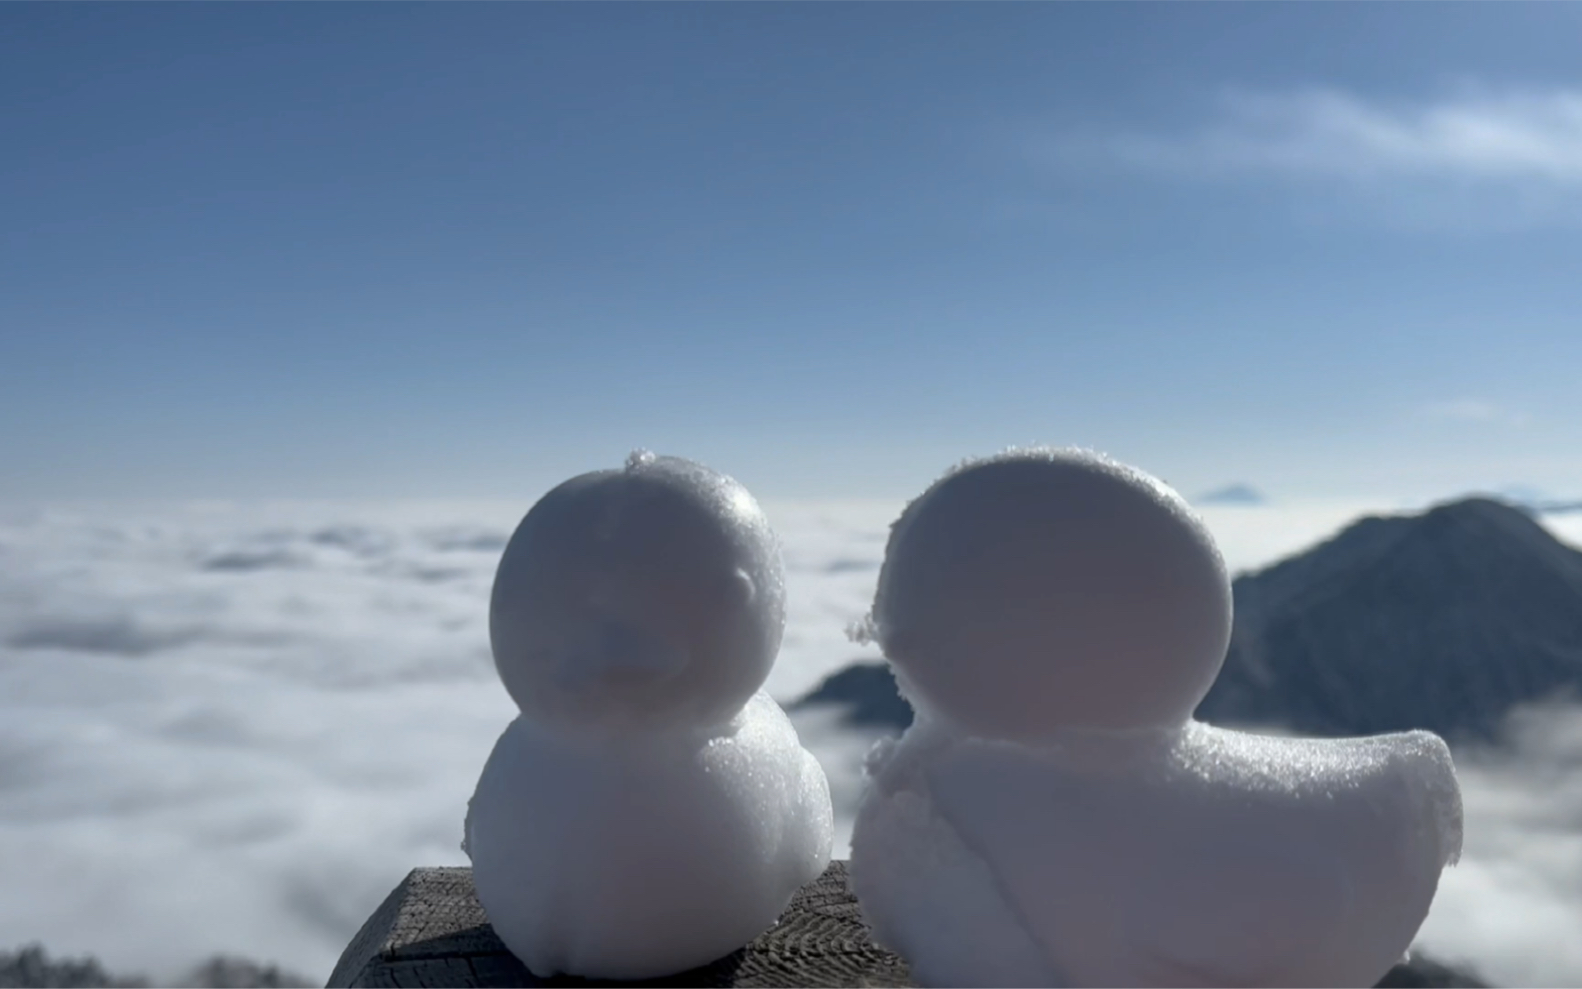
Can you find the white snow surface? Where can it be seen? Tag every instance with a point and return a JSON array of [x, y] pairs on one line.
[[235, 726], [608, 859], [1190, 857], [652, 809]]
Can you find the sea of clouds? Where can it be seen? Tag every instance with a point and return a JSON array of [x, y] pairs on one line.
[[235, 727]]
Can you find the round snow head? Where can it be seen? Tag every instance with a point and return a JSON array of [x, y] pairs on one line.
[[1050, 589], [652, 595]]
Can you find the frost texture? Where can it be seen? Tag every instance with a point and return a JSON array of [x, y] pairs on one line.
[[652, 809], [1155, 853], [639, 458], [638, 858]]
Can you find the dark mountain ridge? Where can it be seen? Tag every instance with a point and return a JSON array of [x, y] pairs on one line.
[[1444, 620]]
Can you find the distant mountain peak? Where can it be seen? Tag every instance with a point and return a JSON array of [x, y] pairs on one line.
[[1535, 500], [867, 694], [1233, 494], [1479, 506], [1443, 620], [1479, 519]]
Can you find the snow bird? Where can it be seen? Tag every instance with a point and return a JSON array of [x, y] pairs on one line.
[[1054, 816], [652, 809]]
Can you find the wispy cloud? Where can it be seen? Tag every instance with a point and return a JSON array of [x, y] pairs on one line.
[[1326, 132], [1477, 157], [1472, 410]]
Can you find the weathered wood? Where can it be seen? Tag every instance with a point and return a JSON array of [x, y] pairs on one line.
[[432, 932]]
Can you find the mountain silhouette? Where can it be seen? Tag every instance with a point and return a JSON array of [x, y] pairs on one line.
[[867, 694], [1444, 620], [1234, 494]]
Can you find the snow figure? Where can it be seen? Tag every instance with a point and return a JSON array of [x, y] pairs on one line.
[[1054, 816], [652, 809]]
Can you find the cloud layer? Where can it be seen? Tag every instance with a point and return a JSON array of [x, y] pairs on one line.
[[1477, 157], [1328, 132], [1473, 410], [235, 728]]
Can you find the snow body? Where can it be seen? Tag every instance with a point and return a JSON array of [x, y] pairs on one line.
[[1054, 816], [652, 809], [630, 859], [1195, 857]]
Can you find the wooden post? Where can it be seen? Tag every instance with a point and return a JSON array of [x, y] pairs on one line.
[[431, 932]]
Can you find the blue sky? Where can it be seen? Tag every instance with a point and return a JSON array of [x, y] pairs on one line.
[[403, 250]]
